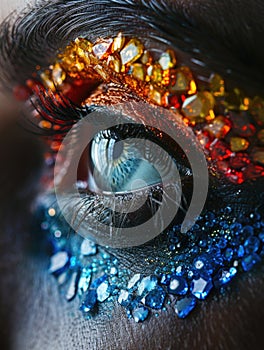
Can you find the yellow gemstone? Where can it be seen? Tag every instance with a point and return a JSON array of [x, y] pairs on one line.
[[58, 74], [132, 51], [261, 136], [238, 144], [103, 48], [47, 80], [257, 109], [181, 80], [234, 100], [258, 156], [217, 85], [167, 60], [138, 71], [218, 128], [156, 73], [197, 107], [114, 63], [155, 95], [84, 44], [146, 58], [118, 42]]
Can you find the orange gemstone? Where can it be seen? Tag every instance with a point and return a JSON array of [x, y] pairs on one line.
[[219, 127]]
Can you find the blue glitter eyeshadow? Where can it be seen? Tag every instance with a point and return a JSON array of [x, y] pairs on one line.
[[208, 257]]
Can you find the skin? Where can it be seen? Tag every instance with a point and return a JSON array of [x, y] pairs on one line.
[[33, 314]]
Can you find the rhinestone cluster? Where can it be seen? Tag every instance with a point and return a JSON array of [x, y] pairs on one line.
[[204, 260], [229, 125]]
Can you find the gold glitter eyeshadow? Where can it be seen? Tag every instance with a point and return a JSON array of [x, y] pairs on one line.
[[227, 123]]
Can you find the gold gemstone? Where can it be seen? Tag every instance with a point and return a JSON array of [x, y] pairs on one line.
[[197, 107], [261, 136], [114, 63], [146, 58], [58, 74], [181, 80], [138, 71], [118, 42], [167, 60], [132, 51], [217, 85], [84, 44], [257, 109], [258, 155], [218, 128], [156, 73], [155, 95], [103, 48], [238, 144]]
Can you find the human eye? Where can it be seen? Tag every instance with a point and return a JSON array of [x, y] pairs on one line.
[[170, 275]]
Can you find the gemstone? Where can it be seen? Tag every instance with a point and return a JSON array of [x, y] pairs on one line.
[[201, 287], [72, 289], [257, 109], [140, 314], [58, 262], [228, 254], [155, 95], [242, 125], [84, 281], [88, 248], [219, 127], [89, 302], [181, 81], [155, 298], [234, 99], [197, 107], [184, 306], [223, 276], [58, 74], [138, 71], [103, 291], [131, 52], [118, 42], [178, 285], [239, 160], [98, 281], [103, 48], [238, 144], [146, 58], [147, 284], [217, 85], [251, 244], [258, 155], [165, 279], [124, 298], [133, 281], [156, 74], [249, 261], [167, 60], [220, 151], [114, 63]]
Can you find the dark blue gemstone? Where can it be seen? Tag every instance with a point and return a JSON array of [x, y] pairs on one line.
[[248, 230], [89, 302], [251, 244], [261, 236], [228, 254], [240, 251], [223, 276], [221, 243], [155, 298], [184, 306], [249, 261], [178, 285], [236, 228], [165, 279], [201, 286]]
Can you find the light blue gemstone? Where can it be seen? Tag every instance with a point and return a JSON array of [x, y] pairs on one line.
[[103, 291], [72, 289], [58, 262], [133, 281], [184, 306], [201, 287], [147, 284], [124, 298], [140, 314], [84, 281], [178, 285], [88, 248]]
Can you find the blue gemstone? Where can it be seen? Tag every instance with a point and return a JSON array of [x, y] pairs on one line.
[[124, 298], [236, 228], [59, 262], [223, 276], [133, 281], [73, 286], [88, 248], [98, 281], [249, 261], [184, 306], [155, 298], [240, 251], [251, 244], [261, 236], [165, 279], [178, 285], [103, 291], [201, 287], [89, 302], [221, 243], [147, 284], [248, 230], [140, 314], [228, 254]]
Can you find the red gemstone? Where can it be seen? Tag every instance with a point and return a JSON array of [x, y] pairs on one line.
[[174, 101], [236, 177], [219, 151], [253, 171], [239, 160]]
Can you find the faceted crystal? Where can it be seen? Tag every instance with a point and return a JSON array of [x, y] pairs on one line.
[[118, 42], [197, 107], [146, 58], [103, 291], [219, 127], [133, 280], [138, 71], [238, 144], [84, 281], [103, 49], [156, 74], [217, 85], [132, 51], [58, 261], [178, 285], [140, 314], [114, 63], [224, 276], [72, 289], [155, 95], [89, 302], [257, 109], [167, 60], [201, 287], [155, 298], [147, 284], [184, 306], [181, 80]]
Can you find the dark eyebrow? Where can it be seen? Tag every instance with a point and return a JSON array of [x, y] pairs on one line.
[[34, 38]]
